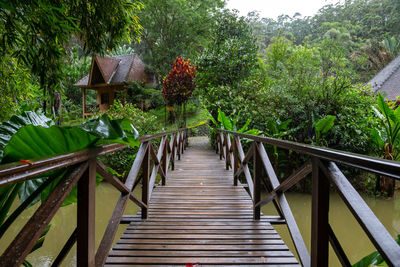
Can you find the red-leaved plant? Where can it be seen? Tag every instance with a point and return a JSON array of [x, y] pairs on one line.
[[179, 84]]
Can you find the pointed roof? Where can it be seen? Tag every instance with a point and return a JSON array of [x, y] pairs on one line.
[[387, 81], [114, 70], [107, 66]]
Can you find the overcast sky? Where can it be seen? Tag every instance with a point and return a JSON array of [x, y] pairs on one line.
[[274, 8]]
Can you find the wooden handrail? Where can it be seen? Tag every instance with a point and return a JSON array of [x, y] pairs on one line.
[[324, 172], [372, 164], [84, 166], [16, 172]]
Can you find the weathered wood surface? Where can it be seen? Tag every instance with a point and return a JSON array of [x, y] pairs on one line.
[[200, 217]]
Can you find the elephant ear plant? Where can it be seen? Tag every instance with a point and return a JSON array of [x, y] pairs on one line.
[[31, 136], [230, 124]]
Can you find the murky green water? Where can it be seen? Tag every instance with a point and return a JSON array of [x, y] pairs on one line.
[[64, 223], [354, 241]]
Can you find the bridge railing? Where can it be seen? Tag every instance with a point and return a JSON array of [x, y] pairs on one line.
[[325, 172], [83, 167]]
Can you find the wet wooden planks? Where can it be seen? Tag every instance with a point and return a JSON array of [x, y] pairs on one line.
[[199, 217]]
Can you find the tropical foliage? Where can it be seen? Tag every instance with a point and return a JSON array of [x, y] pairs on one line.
[[31, 136], [373, 259], [37, 32]]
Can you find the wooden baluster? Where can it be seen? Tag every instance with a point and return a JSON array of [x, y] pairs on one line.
[[173, 152], [145, 182], [258, 165], [178, 146], [217, 145], [227, 154], [235, 160], [85, 247], [319, 216], [164, 165], [221, 146], [187, 137], [182, 142]]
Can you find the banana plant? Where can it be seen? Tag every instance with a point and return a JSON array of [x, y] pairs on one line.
[[388, 139]]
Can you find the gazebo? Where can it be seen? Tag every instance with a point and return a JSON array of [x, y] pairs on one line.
[[109, 75]]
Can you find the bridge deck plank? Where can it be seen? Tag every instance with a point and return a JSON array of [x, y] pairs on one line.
[[200, 217]]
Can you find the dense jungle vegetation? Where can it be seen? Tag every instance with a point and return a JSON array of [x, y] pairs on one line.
[[298, 78], [282, 76]]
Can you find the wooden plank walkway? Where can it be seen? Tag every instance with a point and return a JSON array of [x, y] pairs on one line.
[[199, 217]]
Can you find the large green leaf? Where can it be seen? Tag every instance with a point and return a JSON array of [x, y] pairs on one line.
[[224, 120], [385, 109], [11, 127], [245, 126], [373, 259], [32, 136], [325, 124], [377, 138]]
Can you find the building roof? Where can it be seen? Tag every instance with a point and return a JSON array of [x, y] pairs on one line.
[[114, 70], [387, 81]]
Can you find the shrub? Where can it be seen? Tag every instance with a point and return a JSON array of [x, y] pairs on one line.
[[179, 84], [121, 161]]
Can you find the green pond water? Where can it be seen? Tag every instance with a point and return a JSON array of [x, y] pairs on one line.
[[354, 241]]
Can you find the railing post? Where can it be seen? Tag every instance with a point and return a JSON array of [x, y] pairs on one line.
[[227, 153], [85, 255], [164, 159], [257, 183], [145, 181], [320, 216], [235, 160]]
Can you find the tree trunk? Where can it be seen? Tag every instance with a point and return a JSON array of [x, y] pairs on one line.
[[387, 185], [184, 115], [57, 107]]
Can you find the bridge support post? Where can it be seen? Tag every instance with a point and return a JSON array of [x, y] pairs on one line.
[[85, 247], [320, 216], [257, 183]]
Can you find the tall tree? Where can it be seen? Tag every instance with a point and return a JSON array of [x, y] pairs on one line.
[[231, 55], [174, 28]]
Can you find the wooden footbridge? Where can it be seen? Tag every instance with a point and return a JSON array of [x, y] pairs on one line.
[[201, 207]]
